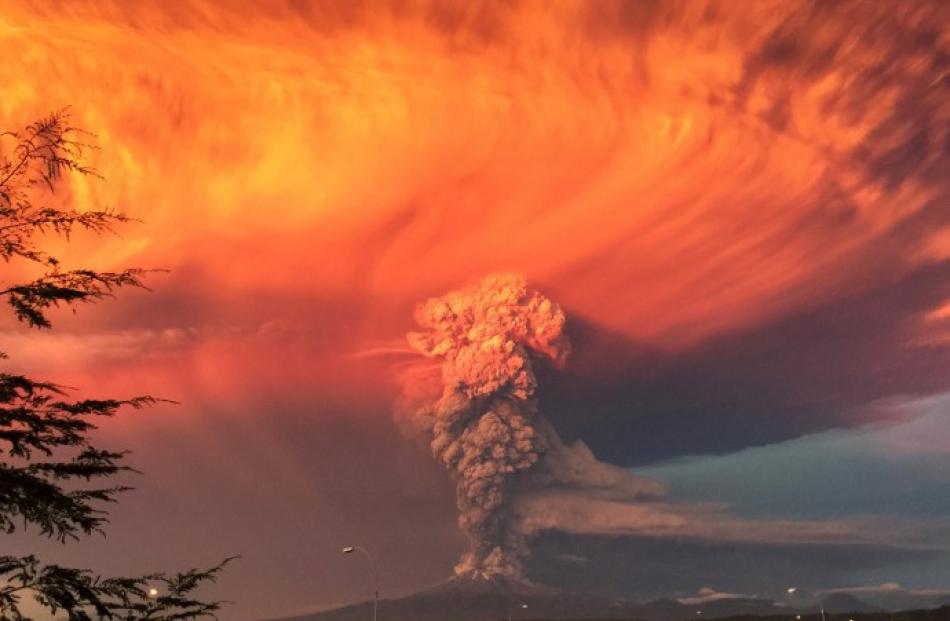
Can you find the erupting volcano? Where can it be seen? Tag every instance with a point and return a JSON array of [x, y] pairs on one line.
[[481, 427]]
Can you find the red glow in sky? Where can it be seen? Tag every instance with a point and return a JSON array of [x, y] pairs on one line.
[[746, 202]]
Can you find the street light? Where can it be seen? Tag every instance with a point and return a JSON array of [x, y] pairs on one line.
[[372, 564], [522, 605], [790, 595], [821, 607], [791, 591]]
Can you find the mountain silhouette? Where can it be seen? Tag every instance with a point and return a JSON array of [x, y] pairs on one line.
[[473, 599]]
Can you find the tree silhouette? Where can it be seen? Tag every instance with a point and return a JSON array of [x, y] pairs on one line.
[[49, 469]]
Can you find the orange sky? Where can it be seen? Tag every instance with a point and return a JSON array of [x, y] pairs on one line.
[[646, 171], [741, 207]]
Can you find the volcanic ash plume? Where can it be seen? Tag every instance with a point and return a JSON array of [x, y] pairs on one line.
[[480, 426]]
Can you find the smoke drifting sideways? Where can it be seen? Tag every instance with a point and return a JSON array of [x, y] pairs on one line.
[[480, 416]]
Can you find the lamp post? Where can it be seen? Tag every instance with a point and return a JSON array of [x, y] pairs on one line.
[[509, 610], [372, 564], [791, 591], [821, 607]]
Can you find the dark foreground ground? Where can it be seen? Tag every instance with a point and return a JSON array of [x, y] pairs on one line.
[[480, 600], [936, 614]]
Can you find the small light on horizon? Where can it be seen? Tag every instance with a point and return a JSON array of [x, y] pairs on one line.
[[153, 592], [791, 591]]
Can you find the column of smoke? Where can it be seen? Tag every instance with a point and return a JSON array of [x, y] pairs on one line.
[[482, 424]]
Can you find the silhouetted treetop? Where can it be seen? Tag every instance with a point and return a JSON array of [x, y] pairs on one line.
[[51, 473]]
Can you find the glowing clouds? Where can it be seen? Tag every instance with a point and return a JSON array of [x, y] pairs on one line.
[[675, 173], [672, 171], [481, 426]]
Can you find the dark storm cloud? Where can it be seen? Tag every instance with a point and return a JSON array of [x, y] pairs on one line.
[[819, 369]]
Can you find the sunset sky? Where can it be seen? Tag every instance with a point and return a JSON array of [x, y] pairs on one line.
[[742, 207]]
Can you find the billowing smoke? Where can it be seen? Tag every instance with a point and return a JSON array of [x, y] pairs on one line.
[[482, 425], [476, 409]]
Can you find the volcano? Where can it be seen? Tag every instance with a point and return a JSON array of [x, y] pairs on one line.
[[477, 599]]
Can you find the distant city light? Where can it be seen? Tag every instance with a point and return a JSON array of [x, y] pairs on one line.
[[153, 592]]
